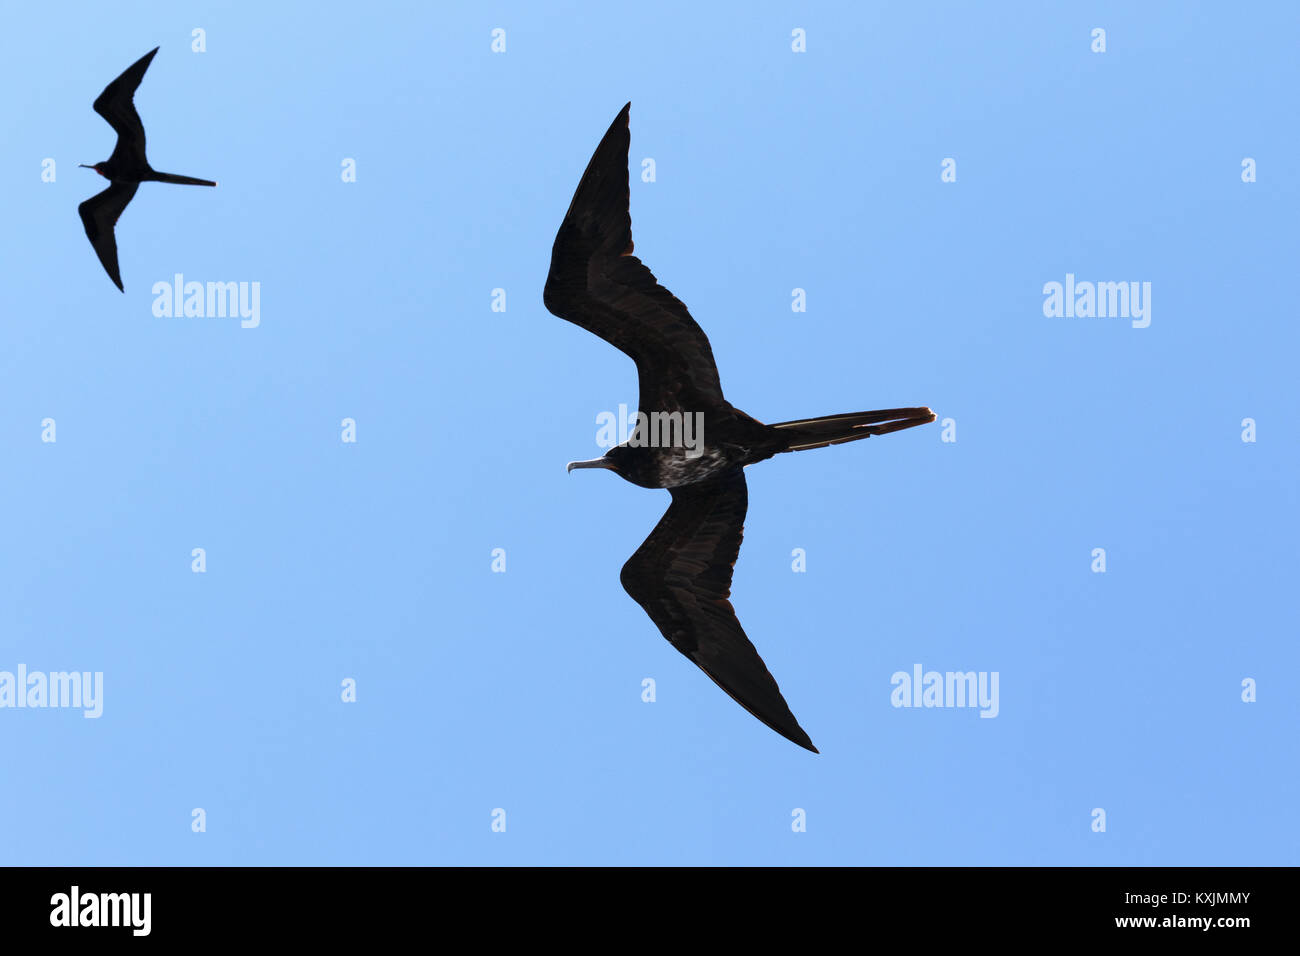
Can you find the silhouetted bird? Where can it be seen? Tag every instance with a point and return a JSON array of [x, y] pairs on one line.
[[126, 169], [682, 574]]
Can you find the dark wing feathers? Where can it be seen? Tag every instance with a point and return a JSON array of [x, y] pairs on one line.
[[595, 282], [99, 214], [682, 575], [116, 104]]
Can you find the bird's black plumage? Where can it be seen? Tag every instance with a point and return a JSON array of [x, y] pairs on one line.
[[682, 574], [117, 105], [126, 168], [99, 214], [597, 283]]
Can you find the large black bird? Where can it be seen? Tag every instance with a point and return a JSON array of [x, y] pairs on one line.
[[682, 574], [126, 169]]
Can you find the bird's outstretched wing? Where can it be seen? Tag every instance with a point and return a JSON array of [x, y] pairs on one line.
[[597, 283], [682, 574], [99, 214], [116, 104]]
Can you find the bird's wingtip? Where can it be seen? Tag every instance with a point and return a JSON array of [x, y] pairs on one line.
[[795, 734]]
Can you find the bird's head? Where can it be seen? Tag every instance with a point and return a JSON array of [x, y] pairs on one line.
[[613, 460], [98, 167]]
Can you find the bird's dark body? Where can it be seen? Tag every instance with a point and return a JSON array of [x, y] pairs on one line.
[[681, 575], [126, 169], [728, 438]]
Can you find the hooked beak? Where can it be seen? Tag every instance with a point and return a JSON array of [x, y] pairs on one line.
[[593, 463]]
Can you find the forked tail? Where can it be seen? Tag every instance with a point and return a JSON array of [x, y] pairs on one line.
[[837, 429], [181, 180]]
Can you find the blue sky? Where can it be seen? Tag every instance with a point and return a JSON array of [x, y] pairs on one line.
[[775, 170]]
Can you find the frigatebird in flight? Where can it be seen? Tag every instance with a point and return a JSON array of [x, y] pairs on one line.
[[682, 574], [126, 169]]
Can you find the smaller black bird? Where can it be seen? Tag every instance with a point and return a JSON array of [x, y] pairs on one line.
[[126, 169]]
